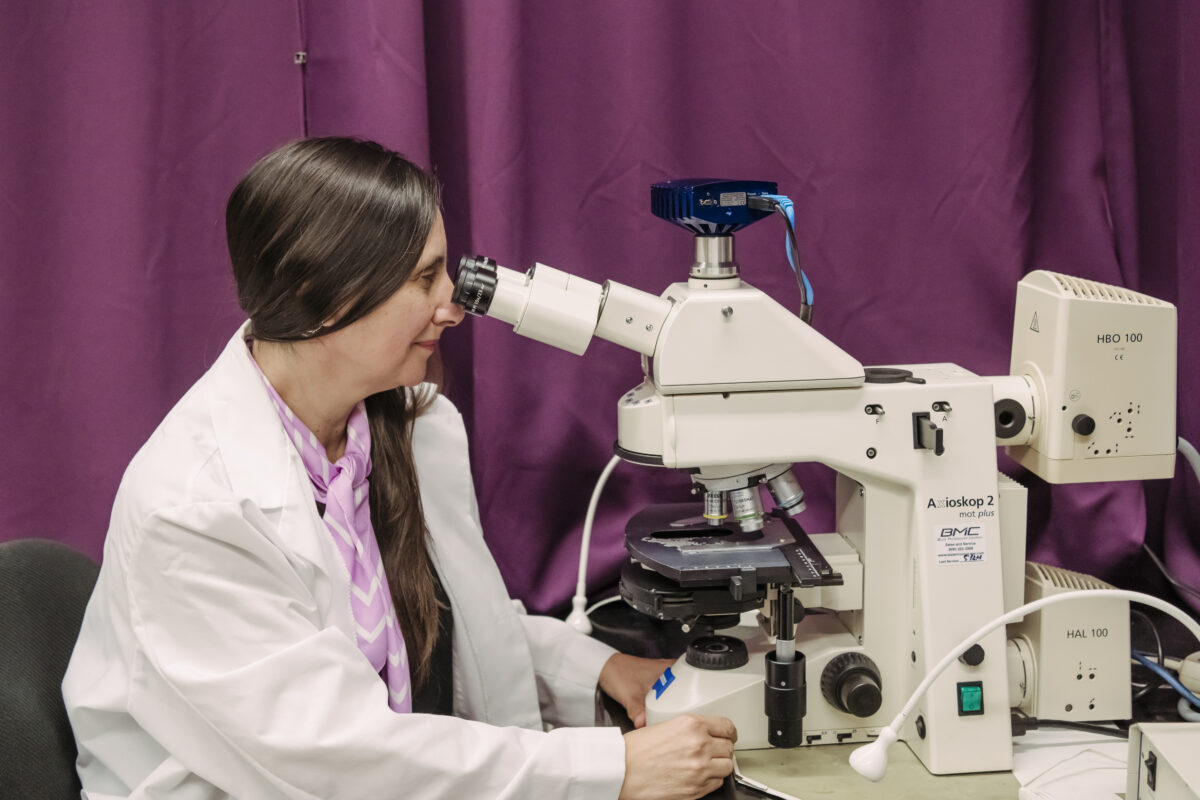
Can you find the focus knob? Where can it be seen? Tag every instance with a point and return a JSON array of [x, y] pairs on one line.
[[1083, 425], [851, 683], [973, 656], [717, 652]]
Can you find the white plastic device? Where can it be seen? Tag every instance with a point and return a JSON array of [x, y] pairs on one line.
[[733, 380], [1071, 661], [1100, 363], [1162, 761]]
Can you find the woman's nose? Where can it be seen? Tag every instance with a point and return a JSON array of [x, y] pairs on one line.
[[447, 311]]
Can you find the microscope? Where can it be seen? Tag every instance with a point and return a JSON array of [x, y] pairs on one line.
[[812, 638]]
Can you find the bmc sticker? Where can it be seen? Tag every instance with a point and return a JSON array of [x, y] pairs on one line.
[[960, 545], [665, 680]]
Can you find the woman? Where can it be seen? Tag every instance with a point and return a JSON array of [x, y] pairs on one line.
[[284, 609]]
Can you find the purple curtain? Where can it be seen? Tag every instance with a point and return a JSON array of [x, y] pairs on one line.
[[123, 128], [936, 152]]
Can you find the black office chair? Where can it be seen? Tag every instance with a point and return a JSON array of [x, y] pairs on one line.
[[44, 588]]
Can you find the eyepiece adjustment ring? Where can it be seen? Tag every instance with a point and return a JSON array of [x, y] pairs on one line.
[[475, 284]]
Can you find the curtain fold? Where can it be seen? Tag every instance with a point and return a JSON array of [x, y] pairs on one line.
[[366, 72], [124, 127], [936, 152]]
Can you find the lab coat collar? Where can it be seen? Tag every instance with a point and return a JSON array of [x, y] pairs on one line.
[[252, 440], [493, 674]]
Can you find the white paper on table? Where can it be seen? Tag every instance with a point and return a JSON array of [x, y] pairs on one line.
[[1069, 765], [762, 787]]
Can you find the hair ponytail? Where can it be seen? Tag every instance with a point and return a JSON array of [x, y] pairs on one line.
[[399, 521]]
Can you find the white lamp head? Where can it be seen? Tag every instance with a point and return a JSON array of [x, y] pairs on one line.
[[871, 760], [578, 619]]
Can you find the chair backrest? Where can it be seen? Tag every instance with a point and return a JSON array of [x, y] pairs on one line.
[[44, 588]]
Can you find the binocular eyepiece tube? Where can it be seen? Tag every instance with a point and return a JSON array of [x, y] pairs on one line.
[[558, 308]]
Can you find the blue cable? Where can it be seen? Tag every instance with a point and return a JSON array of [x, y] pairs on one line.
[[1161, 672], [789, 211]]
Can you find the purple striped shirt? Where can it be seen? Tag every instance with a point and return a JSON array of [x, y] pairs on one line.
[[342, 487]]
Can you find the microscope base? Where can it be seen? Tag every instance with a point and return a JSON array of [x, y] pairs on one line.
[[738, 693]]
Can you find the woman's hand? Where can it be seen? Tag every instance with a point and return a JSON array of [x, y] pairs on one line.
[[681, 759], [627, 679]]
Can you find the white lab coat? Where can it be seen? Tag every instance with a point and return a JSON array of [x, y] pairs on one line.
[[217, 656]]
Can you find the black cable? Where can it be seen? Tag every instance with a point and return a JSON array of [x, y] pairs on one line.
[[1178, 584], [1022, 723], [1155, 682], [1083, 726]]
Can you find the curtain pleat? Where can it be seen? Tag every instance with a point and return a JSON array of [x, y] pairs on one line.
[[936, 152]]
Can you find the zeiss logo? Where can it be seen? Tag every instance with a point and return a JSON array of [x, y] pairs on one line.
[[957, 533]]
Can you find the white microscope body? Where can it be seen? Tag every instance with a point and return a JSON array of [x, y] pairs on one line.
[[918, 503], [940, 536], [929, 541]]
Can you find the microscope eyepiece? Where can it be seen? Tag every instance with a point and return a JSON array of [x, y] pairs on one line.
[[475, 284], [558, 308]]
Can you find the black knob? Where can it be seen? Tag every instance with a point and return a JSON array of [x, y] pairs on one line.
[[851, 683], [1083, 425], [860, 695], [886, 375], [973, 656], [717, 652]]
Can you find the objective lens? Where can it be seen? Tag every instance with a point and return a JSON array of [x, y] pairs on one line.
[[475, 284], [786, 491], [714, 508], [747, 508]]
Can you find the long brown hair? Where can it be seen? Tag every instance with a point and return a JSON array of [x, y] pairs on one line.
[[326, 229]]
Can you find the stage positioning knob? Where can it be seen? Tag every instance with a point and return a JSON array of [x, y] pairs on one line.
[[717, 652], [851, 683], [1083, 425]]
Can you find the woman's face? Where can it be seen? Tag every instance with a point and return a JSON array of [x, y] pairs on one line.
[[390, 346]]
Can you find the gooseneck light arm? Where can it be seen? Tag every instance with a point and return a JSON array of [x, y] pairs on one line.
[[578, 619]]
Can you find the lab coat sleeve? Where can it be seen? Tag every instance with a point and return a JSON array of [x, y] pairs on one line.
[[567, 666], [237, 676]]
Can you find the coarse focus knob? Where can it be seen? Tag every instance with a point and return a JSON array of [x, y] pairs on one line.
[[851, 683], [717, 652], [1083, 425]]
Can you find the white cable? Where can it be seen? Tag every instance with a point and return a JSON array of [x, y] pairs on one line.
[[603, 602], [870, 760], [1186, 711], [577, 619], [1189, 453]]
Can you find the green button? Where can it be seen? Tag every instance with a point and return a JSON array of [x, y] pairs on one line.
[[970, 698]]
